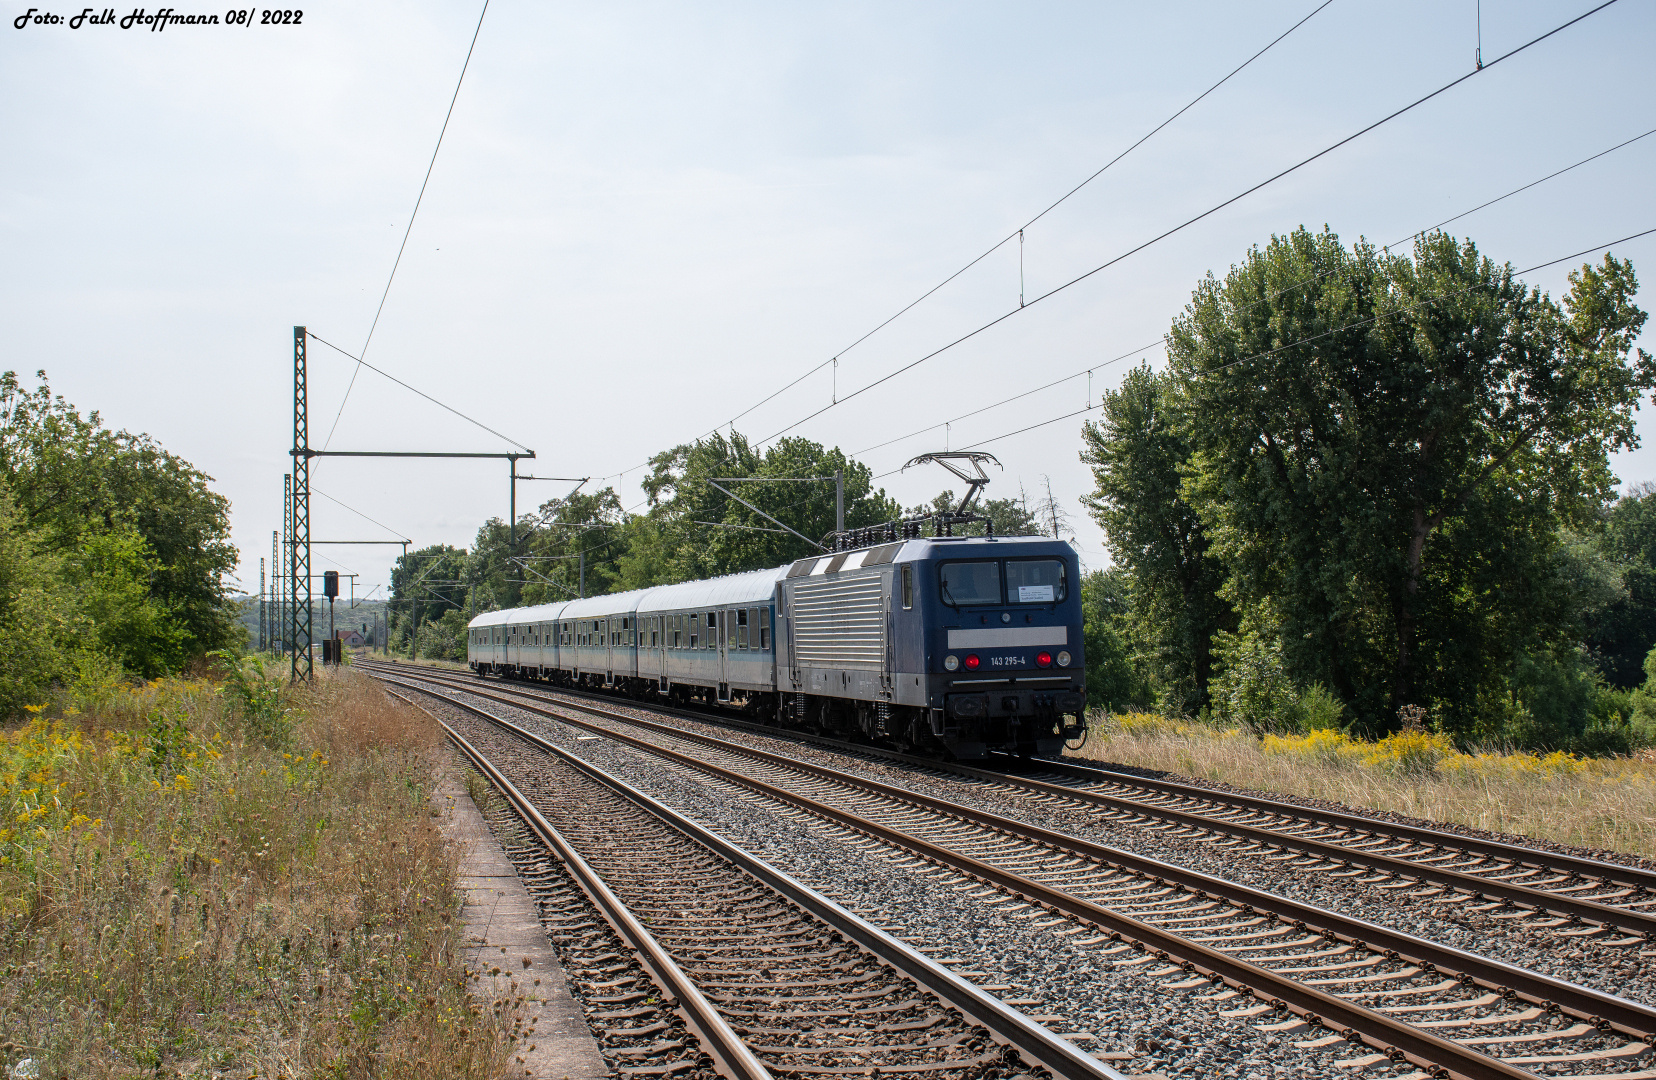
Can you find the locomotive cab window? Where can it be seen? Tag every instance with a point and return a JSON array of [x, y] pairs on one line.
[[1035, 581], [965, 584]]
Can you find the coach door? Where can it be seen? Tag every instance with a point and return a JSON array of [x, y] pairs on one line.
[[727, 641]]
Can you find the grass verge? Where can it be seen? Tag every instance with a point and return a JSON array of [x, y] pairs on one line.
[[224, 879], [1604, 804]]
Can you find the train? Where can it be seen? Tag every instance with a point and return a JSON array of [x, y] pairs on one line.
[[946, 646]]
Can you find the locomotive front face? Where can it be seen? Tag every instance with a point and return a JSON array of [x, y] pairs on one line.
[[1002, 639]]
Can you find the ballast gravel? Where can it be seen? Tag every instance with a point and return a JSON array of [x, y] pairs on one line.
[[1628, 972], [1069, 981]]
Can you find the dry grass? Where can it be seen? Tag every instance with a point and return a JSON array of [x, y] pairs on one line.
[[1605, 803], [196, 885]]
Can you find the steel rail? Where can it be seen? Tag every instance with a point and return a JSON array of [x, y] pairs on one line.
[[1395, 1038], [1517, 854], [1633, 876], [721, 1044], [1630, 1018], [1471, 885], [1035, 1042], [1475, 887]]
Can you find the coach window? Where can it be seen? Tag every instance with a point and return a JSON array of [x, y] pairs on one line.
[[908, 587], [712, 625], [694, 636], [1035, 581], [742, 623], [764, 629]]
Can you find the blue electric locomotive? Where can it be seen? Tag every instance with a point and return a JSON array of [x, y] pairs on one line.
[[945, 645]]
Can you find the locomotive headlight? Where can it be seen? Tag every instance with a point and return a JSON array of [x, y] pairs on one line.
[[951, 662], [1063, 659]]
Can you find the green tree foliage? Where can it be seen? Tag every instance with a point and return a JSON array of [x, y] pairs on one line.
[[1008, 517], [113, 552], [1624, 631], [41, 625], [1384, 450], [577, 533], [1139, 452], [1114, 680], [702, 532], [113, 572], [428, 584], [75, 481]]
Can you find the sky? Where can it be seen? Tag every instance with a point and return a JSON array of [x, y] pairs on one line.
[[646, 218]]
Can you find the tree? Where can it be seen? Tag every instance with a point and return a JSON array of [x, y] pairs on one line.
[[1139, 452], [427, 584], [707, 533], [577, 538], [1386, 448], [1008, 517], [1625, 632], [41, 627], [1113, 680], [79, 484], [1051, 514]]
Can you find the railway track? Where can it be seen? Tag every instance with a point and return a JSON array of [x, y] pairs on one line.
[[769, 977], [1566, 894], [1316, 973]]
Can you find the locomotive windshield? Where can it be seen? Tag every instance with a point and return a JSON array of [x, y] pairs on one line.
[[1028, 581], [1035, 581], [967, 583]]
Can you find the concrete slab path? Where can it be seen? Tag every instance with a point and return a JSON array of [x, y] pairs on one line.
[[503, 933]]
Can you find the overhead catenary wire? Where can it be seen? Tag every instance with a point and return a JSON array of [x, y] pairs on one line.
[[1515, 191], [358, 513], [421, 393], [1014, 397], [1280, 292], [410, 229], [1186, 223], [1016, 234], [1313, 338]]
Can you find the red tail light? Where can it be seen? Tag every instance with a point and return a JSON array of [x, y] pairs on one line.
[[972, 661], [1043, 659]]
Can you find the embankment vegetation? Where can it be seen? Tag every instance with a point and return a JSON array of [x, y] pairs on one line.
[[1605, 803], [232, 879]]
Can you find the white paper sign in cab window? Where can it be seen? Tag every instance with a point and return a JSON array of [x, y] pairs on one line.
[[1034, 594]]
